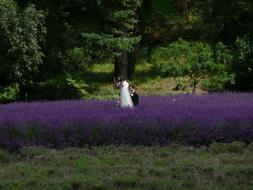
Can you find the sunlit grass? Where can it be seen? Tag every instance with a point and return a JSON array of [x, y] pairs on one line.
[[97, 83], [146, 81]]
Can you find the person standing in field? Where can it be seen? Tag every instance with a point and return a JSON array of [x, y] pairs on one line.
[[125, 99], [134, 95]]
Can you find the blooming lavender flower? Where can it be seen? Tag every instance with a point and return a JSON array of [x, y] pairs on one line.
[[186, 119]]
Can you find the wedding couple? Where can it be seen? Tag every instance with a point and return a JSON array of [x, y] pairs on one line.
[[128, 96]]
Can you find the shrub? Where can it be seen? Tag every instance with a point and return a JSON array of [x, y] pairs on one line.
[[243, 64], [105, 92], [218, 82], [59, 88], [222, 74], [196, 61], [76, 60], [9, 93]]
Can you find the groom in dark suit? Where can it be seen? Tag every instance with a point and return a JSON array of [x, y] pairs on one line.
[[134, 95]]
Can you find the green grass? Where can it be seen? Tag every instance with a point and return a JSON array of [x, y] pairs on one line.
[[97, 83], [100, 80], [220, 167]]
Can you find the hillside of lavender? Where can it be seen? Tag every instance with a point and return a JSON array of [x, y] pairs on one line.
[[186, 119]]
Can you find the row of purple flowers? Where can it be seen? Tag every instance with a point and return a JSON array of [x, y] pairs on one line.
[[185, 119]]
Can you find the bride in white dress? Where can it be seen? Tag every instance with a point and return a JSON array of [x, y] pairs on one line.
[[125, 98]]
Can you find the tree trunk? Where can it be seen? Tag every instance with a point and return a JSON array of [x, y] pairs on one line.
[[23, 92], [121, 65], [125, 64], [132, 61]]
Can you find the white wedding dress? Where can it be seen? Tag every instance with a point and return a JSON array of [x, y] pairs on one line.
[[125, 98]]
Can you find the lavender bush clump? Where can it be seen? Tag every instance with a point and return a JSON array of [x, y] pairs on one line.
[[186, 119]]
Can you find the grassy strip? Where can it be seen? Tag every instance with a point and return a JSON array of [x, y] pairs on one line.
[[221, 166]]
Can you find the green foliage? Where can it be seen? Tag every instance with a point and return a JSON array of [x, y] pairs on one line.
[[183, 58], [61, 88], [181, 84], [243, 47], [243, 63], [112, 42], [104, 46], [197, 61], [151, 7], [95, 83], [218, 82], [76, 60], [223, 55], [21, 35], [10, 93], [93, 30], [103, 92], [222, 74], [41, 40]]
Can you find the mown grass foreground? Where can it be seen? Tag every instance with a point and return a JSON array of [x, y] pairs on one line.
[[221, 166]]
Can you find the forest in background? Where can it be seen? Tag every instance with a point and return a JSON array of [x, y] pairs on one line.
[[46, 44]]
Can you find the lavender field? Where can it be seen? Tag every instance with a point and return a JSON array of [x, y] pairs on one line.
[[185, 119]]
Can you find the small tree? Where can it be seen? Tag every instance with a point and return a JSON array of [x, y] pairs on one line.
[[194, 60]]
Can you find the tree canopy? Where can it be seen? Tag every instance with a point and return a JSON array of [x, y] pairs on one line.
[[41, 39]]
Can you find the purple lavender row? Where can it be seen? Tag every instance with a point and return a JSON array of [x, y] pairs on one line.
[[186, 119]]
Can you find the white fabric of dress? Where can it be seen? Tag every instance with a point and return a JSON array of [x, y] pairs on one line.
[[125, 98]]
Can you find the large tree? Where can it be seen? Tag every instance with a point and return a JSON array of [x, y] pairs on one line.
[[101, 29], [98, 29], [147, 13], [21, 34]]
